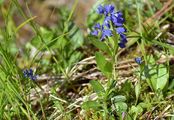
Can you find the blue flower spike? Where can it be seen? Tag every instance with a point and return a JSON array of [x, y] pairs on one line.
[[29, 74], [138, 60], [111, 18]]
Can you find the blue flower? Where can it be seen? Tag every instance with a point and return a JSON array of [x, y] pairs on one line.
[[120, 30], [97, 26], [95, 33], [117, 18], [123, 38], [117, 21], [107, 21], [109, 9], [138, 60], [29, 74], [119, 14], [100, 9], [122, 45], [106, 33]]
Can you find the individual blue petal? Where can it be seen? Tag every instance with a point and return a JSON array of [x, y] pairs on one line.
[[120, 30], [107, 21], [103, 37], [119, 14], [25, 73], [95, 33], [102, 27], [118, 21], [106, 33], [138, 60], [122, 45], [100, 9], [33, 77], [123, 41], [30, 72], [97, 26], [123, 38], [109, 9]]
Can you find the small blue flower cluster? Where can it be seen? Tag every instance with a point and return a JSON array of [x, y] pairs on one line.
[[29, 74], [138, 60], [111, 18]]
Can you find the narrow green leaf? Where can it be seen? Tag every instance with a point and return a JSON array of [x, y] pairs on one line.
[[118, 98], [108, 67], [98, 88], [157, 75], [91, 105], [163, 45], [76, 36], [136, 109], [104, 65], [100, 59], [163, 76], [1, 2], [47, 36], [137, 90], [100, 45], [172, 118]]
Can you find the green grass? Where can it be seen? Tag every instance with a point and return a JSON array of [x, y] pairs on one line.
[[80, 77]]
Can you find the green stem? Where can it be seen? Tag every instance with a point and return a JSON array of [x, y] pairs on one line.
[[115, 55], [105, 111], [142, 45]]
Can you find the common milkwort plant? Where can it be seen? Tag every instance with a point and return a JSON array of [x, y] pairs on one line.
[[115, 84], [113, 33]]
